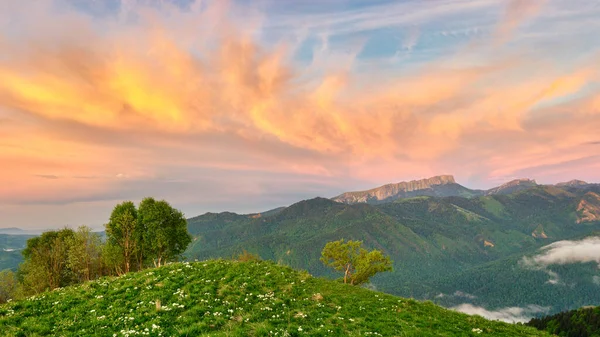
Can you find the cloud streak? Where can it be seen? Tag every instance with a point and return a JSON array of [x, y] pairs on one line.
[[516, 12], [567, 252], [562, 253], [509, 314]]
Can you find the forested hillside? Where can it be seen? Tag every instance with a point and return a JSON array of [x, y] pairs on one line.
[[584, 322], [435, 243]]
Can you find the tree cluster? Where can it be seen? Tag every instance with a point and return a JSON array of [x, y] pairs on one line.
[[152, 233], [136, 237]]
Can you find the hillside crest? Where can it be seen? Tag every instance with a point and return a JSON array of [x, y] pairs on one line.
[[231, 298]]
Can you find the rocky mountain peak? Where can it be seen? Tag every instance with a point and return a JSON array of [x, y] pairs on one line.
[[572, 183], [512, 186], [392, 191], [521, 181]]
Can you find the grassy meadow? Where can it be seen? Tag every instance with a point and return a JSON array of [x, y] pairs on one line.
[[231, 298]]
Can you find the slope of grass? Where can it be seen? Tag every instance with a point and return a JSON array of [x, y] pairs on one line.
[[227, 298]]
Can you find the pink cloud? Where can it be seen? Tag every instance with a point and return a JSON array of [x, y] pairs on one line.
[[181, 91]]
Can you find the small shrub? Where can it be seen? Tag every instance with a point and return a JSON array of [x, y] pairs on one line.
[[246, 256]]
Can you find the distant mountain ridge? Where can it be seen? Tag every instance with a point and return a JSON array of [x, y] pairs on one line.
[[441, 186], [21, 231], [438, 186], [512, 186], [573, 183]]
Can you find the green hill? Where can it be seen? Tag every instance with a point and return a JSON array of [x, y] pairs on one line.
[[229, 298], [433, 241], [296, 235]]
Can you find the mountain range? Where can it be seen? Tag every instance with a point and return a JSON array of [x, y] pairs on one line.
[[450, 244], [440, 186]]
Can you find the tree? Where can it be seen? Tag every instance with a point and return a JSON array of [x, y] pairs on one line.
[[141, 236], [357, 264], [45, 265], [120, 231], [84, 257], [153, 231], [165, 233], [112, 259], [9, 286]]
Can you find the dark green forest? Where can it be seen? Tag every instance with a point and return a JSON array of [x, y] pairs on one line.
[[584, 322]]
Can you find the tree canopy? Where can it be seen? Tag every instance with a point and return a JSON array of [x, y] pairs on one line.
[[120, 230], [165, 233], [46, 261], [357, 264], [153, 232]]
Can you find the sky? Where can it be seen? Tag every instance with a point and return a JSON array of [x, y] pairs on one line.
[[249, 105]]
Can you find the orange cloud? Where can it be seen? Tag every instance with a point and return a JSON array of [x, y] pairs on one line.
[[191, 96]]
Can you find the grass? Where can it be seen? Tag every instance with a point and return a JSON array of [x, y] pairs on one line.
[[229, 298]]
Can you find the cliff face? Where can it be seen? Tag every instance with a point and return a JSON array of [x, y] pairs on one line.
[[399, 190], [588, 209]]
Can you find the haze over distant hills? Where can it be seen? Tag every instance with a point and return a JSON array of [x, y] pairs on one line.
[[19, 231], [438, 186]]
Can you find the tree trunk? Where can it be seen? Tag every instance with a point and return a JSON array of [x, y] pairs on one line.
[[126, 253], [347, 273], [140, 261], [88, 264]]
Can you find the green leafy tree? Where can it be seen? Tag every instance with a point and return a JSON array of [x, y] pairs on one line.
[[9, 285], [112, 259], [165, 234], [46, 258], [121, 232], [141, 237], [84, 257], [357, 264]]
